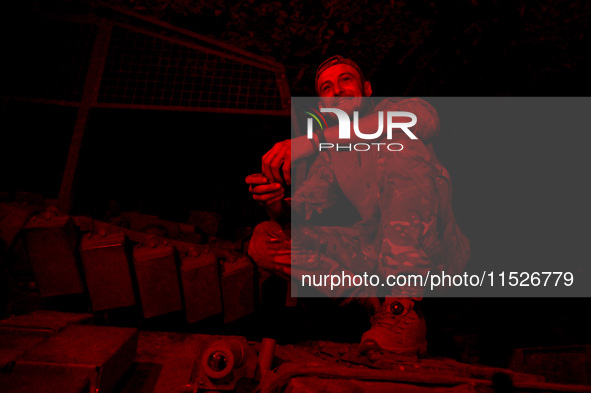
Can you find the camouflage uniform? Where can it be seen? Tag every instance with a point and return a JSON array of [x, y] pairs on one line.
[[402, 204]]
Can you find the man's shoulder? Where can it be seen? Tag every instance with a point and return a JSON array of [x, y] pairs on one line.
[[399, 103], [427, 118]]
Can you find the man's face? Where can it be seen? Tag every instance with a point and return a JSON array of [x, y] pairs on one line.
[[341, 86]]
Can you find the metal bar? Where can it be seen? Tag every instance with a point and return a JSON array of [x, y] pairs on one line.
[[191, 45], [283, 87], [42, 101], [89, 98], [282, 112], [259, 59]]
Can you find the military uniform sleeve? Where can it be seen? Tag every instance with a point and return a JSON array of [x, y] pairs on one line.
[[318, 192], [427, 126]]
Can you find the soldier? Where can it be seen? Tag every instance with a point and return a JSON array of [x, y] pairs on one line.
[[401, 201]]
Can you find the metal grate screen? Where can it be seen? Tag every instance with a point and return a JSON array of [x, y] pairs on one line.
[[144, 70]]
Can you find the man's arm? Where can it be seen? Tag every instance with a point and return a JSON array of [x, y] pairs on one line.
[[317, 194], [269, 195], [280, 211], [277, 162]]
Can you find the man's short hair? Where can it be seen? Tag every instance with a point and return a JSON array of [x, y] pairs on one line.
[[334, 60]]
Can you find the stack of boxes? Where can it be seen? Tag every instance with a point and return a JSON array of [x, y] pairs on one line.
[[124, 267]]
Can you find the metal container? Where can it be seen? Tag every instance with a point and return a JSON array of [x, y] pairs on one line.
[[238, 289], [157, 279], [106, 268], [51, 243], [200, 277]]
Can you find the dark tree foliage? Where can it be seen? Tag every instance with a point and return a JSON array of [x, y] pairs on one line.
[[418, 47]]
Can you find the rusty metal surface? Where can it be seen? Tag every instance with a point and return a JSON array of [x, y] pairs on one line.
[[344, 365], [42, 322], [18, 334], [164, 361], [106, 353], [13, 345], [318, 385], [350, 353], [75, 381], [566, 364]]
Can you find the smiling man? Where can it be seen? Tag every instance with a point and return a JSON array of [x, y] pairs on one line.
[[342, 85], [398, 204]]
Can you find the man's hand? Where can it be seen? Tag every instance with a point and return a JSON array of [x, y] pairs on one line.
[[263, 191], [277, 161]]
